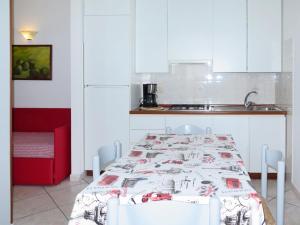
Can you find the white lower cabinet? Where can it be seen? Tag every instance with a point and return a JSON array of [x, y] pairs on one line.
[[238, 127], [172, 122], [270, 130], [249, 132]]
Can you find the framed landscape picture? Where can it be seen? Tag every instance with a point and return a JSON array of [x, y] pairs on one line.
[[32, 62]]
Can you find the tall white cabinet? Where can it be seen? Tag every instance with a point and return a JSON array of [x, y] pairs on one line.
[[107, 69], [107, 50]]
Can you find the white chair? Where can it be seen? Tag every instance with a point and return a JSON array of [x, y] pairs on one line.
[[106, 155], [163, 213], [189, 129], [274, 159]]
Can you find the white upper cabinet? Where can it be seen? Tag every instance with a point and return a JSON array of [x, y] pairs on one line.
[[230, 36], [151, 36], [107, 50], [264, 35], [106, 7], [190, 26]]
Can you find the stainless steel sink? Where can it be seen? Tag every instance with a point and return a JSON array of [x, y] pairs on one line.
[[264, 108], [254, 108]]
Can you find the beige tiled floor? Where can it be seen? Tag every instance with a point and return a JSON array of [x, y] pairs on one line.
[[46, 205], [52, 205]]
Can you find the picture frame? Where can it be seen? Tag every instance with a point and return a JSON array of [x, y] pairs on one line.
[[32, 62]]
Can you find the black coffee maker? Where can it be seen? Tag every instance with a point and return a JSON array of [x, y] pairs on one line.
[[149, 95]]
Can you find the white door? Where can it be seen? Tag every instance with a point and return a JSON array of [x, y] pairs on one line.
[[106, 7], [230, 36], [264, 35], [268, 130], [238, 127], [107, 50], [190, 26], [106, 119], [151, 36]]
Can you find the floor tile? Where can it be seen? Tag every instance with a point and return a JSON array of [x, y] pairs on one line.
[[67, 209], [292, 216], [21, 192], [88, 179], [272, 206], [292, 198], [51, 217], [32, 206], [64, 184], [67, 195], [271, 188], [288, 185]]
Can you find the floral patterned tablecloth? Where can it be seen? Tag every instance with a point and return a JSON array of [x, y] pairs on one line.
[[188, 168]]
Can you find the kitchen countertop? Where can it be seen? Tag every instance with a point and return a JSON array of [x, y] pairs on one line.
[[217, 110]]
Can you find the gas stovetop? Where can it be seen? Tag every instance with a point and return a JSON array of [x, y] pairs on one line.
[[190, 107]]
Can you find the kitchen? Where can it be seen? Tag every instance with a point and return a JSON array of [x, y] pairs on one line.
[[196, 52], [141, 69]]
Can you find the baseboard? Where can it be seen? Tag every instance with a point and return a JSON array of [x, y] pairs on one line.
[[90, 172], [272, 176], [254, 176]]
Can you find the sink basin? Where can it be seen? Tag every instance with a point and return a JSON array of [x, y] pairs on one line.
[[263, 108], [242, 108]]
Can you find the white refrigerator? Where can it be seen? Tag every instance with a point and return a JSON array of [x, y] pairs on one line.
[[107, 67]]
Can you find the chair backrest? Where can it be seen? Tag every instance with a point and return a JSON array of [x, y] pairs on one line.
[[108, 154], [189, 129], [275, 160], [163, 213]]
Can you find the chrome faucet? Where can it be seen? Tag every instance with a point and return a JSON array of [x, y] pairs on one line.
[[247, 103]]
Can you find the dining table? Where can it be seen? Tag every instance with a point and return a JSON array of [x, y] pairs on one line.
[[171, 167]]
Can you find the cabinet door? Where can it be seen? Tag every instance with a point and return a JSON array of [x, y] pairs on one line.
[[106, 119], [264, 35], [230, 36], [151, 36], [106, 7], [106, 50], [190, 25], [172, 122], [238, 127], [147, 122], [268, 130]]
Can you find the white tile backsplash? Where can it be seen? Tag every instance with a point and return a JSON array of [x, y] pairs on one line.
[[195, 83]]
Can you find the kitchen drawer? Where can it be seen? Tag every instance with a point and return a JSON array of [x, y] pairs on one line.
[[137, 135], [201, 121], [147, 122]]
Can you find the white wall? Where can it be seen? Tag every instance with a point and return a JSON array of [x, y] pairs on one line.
[[291, 80], [52, 21], [5, 207], [196, 84], [77, 89]]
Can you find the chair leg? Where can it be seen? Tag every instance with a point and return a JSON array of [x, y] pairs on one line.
[[214, 211], [280, 192], [264, 172], [113, 211], [96, 167]]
